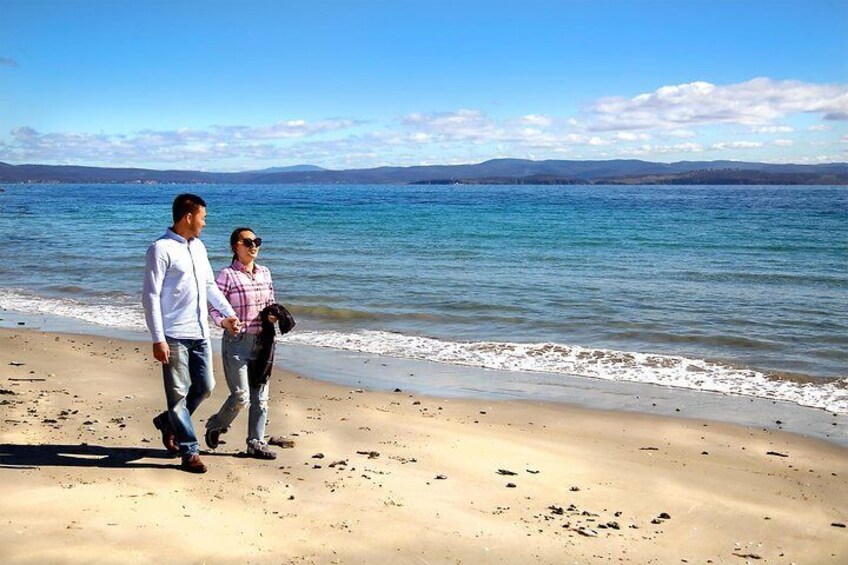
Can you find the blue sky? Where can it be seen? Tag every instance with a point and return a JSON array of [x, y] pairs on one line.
[[225, 86]]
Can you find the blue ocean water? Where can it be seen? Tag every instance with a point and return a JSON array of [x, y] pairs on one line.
[[741, 290]]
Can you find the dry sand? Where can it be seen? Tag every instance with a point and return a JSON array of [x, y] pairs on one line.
[[381, 477]]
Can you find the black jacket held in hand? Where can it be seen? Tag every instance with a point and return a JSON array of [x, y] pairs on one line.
[[259, 368]]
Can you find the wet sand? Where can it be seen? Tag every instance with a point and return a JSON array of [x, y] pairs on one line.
[[390, 477]]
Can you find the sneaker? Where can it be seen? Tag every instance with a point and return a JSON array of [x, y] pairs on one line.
[[163, 425], [212, 437], [282, 442], [192, 464], [259, 450]]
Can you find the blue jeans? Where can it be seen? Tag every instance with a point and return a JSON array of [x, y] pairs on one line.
[[188, 382], [237, 351]]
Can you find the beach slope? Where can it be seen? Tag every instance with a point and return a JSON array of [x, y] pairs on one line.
[[390, 477]]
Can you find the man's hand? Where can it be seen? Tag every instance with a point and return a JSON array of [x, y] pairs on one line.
[[162, 352], [231, 324]]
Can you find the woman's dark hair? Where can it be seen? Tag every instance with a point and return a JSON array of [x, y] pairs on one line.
[[234, 239], [186, 204]]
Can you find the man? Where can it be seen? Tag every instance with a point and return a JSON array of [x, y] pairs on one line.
[[178, 281]]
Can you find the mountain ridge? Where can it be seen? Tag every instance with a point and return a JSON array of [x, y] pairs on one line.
[[498, 171]]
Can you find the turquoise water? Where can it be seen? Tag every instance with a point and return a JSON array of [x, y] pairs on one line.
[[736, 289]]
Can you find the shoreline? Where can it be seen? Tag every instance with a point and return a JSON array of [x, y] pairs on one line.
[[382, 373], [86, 479]]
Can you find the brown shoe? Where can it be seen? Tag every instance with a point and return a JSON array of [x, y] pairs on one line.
[[192, 464], [163, 425], [283, 442]]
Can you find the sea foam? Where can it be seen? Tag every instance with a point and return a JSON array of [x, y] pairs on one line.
[[109, 315], [556, 358], [666, 370]]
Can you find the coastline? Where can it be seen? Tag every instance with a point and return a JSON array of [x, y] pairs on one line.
[[87, 481], [380, 372]]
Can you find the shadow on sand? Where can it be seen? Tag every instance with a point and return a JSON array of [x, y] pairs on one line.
[[14, 456]]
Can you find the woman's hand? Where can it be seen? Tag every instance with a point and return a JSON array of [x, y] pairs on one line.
[[232, 325]]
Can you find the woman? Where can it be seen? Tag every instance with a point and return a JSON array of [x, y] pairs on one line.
[[248, 287]]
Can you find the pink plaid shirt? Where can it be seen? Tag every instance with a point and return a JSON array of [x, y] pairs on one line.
[[248, 293]]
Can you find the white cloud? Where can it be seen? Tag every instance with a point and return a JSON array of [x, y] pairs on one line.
[[676, 133], [680, 119], [537, 120], [666, 149], [442, 120], [630, 136], [772, 129], [757, 102], [461, 125], [684, 148], [821, 159], [524, 135], [284, 130], [737, 145], [421, 137], [174, 146]]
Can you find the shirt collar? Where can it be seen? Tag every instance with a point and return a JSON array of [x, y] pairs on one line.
[[239, 266], [171, 234]]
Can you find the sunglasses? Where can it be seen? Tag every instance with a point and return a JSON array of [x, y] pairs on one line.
[[247, 242]]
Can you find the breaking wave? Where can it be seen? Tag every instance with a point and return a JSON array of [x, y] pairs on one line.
[[664, 370]]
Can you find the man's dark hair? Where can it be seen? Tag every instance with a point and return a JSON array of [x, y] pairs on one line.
[[186, 204]]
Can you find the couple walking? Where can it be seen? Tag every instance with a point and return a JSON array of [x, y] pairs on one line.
[[178, 284]]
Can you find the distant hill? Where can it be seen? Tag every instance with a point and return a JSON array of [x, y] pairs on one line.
[[496, 171], [292, 169]]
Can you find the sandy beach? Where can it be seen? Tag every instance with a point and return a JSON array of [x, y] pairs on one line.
[[390, 477]]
